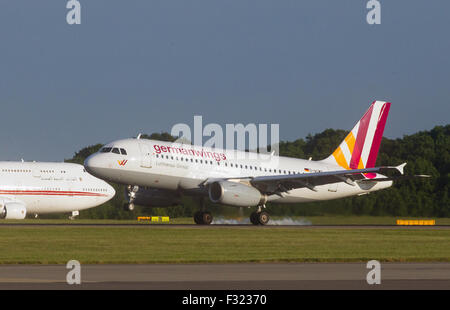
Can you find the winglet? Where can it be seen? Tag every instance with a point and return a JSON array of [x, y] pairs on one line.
[[401, 167]]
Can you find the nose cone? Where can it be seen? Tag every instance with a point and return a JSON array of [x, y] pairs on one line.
[[109, 194], [111, 191], [91, 164]]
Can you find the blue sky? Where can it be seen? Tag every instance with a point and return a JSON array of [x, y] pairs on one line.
[[143, 66]]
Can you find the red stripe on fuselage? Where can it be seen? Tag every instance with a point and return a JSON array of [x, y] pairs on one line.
[[50, 193]]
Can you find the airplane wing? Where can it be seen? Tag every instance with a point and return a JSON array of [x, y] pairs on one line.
[[282, 183]]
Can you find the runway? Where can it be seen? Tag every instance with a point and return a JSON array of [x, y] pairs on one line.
[[212, 226], [245, 276]]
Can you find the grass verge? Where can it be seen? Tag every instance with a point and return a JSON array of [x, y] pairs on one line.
[[163, 244]]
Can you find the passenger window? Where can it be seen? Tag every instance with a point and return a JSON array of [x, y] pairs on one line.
[[115, 150], [123, 151]]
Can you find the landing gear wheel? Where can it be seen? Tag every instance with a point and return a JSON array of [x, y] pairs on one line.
[[198, 217], [128, 206], [254, 218], [263, 218], [207, 218], [203, 218]]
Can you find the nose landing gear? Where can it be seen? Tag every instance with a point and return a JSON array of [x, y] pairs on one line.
[[72, 217], [131, 195]]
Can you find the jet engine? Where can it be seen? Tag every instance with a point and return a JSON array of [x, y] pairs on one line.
[[153, 197], [235, 194], [12, 211]]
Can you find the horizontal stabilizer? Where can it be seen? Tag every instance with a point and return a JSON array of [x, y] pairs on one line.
[[401, 167]]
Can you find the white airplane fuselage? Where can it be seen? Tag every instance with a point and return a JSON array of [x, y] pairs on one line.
[[43, 188], [172, 166]]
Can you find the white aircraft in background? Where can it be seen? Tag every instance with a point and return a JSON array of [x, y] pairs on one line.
[[41, 188], [157, 173]]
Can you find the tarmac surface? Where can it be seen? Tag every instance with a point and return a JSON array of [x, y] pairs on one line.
[[212, 226], [246, 276]]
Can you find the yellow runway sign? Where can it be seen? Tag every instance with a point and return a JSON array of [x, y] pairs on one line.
[[154, 219], [416, 222]]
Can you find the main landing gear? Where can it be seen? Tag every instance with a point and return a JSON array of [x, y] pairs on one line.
[[130, 193], [203, 217], [259, 217]]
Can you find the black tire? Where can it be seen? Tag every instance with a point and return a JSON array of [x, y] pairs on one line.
[[198, 219], [263, 218], [207, 218], [254, 218]]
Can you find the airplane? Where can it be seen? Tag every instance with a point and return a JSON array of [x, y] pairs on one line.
[[45, 187], [158, 173]]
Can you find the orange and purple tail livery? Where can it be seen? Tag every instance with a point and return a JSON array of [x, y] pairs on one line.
[[359, 149]]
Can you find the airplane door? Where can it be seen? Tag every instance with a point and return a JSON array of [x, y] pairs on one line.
[[146, 157], [36, 173]]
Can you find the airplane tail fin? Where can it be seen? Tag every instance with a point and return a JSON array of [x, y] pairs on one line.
[[359, 149]]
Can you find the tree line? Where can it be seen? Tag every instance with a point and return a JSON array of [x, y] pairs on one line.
[[426, 152]]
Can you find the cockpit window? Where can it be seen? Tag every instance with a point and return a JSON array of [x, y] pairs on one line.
[[115, 150], [123, 151], [106, 150]]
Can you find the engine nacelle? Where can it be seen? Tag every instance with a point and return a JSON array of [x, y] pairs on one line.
[[12, 211], [153, 197], [235, 194]]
